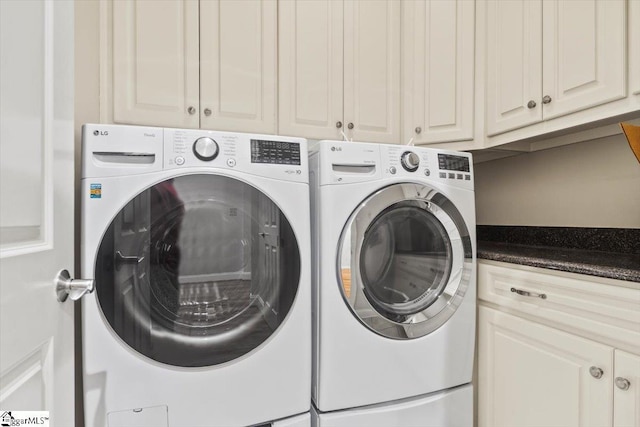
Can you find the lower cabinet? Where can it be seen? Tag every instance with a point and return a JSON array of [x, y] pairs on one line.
[[626, 393], [533, 375], [536, 369]]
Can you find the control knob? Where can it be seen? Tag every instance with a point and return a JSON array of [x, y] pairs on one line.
[[410, 161], [205, 149]]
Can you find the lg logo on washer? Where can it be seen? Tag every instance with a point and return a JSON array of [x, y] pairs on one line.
[[336, 148], [102, 133]]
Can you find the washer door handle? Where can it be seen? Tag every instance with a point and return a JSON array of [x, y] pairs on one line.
[[75, 288]]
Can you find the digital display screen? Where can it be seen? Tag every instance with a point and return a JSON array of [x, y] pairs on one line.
[[453, 163], [275, 152]]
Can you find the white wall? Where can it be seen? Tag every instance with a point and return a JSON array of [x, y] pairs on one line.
[[589, 184]]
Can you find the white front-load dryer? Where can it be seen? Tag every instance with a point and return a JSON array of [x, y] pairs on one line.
[[199, 245], [393, 231]]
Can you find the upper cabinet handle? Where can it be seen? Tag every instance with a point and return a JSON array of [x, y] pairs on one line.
[[350, 125], [531, 104], [191, 110], [546, 99], [338, 124]]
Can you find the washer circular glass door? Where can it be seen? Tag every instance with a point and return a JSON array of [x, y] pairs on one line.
[[197, 270], [404, 260]]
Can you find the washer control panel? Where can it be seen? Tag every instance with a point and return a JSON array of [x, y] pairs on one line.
[[266, 155], [275, 152]]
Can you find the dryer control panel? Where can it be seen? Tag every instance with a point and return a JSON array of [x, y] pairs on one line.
[[449, 167], [345, 162]]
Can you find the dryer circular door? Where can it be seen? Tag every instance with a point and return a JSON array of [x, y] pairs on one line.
[[404, 261], [197, 270]]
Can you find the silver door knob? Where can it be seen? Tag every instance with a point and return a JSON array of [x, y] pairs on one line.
[[350, 125], [338, 125], [207, 112], [74, 288], [622, 383], [596, 372], [191, 110], [418, 130], [546, 99], [531, 104]]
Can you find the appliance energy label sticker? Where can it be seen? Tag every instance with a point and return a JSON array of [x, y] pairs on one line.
[[95, 191]]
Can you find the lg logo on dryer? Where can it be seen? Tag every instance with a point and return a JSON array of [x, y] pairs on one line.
[[100, 132]]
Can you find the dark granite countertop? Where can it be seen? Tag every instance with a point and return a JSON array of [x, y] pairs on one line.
[[564, 249]]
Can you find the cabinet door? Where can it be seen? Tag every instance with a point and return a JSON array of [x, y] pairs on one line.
[[533, 375], [372, 70], [584, 45], [238, 55], [438, 58], [155, 63], [514, 64], [634, 47], [626, 403], [310, 38]]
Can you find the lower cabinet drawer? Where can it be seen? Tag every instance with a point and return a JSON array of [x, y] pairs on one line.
[[599, 309]]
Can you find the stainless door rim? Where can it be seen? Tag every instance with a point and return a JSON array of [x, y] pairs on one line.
[[438, 311]]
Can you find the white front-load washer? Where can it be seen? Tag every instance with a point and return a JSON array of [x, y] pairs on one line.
[[393, 232], [199, 246]]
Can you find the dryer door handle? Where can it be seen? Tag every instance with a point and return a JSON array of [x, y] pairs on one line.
[[75, 288]]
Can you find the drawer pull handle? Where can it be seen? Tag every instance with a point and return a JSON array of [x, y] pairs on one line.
[[528, 294]]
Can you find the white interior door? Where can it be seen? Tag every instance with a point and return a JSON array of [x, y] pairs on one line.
[[36, 206]]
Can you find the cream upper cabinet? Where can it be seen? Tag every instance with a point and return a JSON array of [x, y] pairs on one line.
[[584, 47], [310, 37], [514, 64], [155, 63], [634, 47], [530, 375], [372, 70], [238, 59], [552, 58], [339, 69], [627, 390], [438, 70], [184, 63]]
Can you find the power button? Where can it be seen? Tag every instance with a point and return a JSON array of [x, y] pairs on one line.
[[231, 162], [179, 160]]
